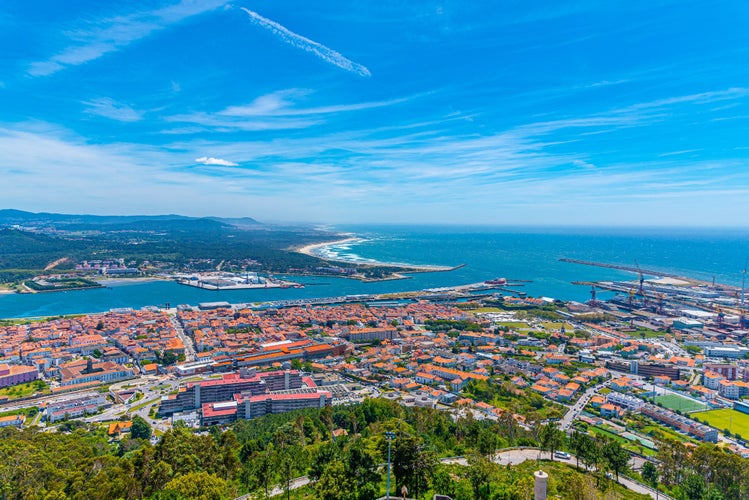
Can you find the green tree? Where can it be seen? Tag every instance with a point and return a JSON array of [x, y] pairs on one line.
[[487, 442], [160, 475], [551, 438], [324, 454], [616, 457], [480, 472], [140, 428], [335, 484], [577, 443], [412, 465], [263, 470], [694, 487], [198, 486], [650, 475], [229, 448], [673, 457], [361, 467], [442, 482]]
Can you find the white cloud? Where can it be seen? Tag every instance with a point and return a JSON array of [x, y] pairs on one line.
[[326, 54], [280, 104], [274, 111], [109, 108], [205, 160], [112, 34]]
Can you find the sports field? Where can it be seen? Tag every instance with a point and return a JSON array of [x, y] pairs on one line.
[[734, 421], [674, 402]]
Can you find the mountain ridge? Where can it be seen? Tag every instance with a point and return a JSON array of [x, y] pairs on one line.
[[11, 216]]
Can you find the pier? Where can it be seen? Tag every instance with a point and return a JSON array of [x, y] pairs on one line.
[[631, 269]]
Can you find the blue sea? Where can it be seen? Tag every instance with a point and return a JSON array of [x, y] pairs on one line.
[[514, 253]]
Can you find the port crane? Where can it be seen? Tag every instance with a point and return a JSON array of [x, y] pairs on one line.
[[660, 296], [640, 288], [742, 317], [631, 296]]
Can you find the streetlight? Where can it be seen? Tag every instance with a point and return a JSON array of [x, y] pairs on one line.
[[389, 436]]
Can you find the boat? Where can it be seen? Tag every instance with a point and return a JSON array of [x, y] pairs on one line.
[[496, 281]]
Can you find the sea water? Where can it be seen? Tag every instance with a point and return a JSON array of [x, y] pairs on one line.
[[530, 254]]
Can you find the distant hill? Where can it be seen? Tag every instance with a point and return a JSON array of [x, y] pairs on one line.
[[11, 217], [30, 242]]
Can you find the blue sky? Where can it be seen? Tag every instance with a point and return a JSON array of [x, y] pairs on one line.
[[480, 112]]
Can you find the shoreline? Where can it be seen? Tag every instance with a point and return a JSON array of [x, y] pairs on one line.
[[125, 281], [101, 283], [310, 249], [407, 268]]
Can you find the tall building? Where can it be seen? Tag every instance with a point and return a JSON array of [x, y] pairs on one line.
[[195, 394]]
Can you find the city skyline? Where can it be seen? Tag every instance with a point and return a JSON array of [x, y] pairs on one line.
[[438, 112]]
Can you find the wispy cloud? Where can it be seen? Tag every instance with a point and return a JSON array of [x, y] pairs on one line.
[[217, 123], [280, 104], [206, 160], [680, 152], [109, 108], [104, 36], [279, 110], [321, 51]]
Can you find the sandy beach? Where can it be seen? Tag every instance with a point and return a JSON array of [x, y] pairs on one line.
[[311, 251]]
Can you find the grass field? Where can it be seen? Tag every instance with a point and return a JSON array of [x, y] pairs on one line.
[[674, 402], [25, 390], [513, 324], [734, 421], [549, 326]]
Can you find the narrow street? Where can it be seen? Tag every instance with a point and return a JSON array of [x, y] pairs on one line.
[[578, 407], [186, 340]]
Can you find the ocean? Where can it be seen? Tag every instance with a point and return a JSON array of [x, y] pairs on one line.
[[530, 254]]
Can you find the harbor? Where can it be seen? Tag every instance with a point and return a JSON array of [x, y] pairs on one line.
[[233, 281]]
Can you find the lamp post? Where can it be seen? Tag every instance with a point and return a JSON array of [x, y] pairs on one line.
[[389, 436]]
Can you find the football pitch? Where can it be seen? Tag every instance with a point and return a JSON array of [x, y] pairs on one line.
[[734, 421], [674, 402]]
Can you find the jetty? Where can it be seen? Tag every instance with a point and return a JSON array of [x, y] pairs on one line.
[[631, 269]]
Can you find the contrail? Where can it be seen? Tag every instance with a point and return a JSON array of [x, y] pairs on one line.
[[300, 42]]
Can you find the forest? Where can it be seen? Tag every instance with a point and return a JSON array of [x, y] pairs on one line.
[[258, 456], [175, 243]]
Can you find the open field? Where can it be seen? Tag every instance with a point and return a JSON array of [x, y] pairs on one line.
[[550, 325], [734, 421], [25, 390], [674, 402], [514, 324], [627, 444]]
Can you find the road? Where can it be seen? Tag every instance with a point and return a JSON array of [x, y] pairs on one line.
[[186, 340], [578, 407], [520, 455], [503, 457], [152, 388]]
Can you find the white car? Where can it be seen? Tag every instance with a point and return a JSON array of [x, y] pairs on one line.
[[562, 454]]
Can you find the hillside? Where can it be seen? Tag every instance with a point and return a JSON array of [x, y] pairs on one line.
[[258, 456], [30, 242], [10, 217]]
